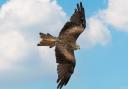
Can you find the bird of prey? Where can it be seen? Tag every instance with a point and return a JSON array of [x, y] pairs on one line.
[[65, 44]]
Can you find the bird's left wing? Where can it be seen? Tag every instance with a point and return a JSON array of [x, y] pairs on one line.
[[66, 63]]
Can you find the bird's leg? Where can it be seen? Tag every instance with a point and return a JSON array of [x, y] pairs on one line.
[[77, 46], [38, 44]]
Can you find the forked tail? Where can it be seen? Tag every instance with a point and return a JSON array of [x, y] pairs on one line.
[[47, 40]]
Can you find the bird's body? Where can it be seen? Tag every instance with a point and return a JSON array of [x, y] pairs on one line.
[[65, 44]]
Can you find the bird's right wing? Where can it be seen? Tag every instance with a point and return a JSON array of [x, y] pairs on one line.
[[66, 63], [77, 19], [75, 26], [79, 16]]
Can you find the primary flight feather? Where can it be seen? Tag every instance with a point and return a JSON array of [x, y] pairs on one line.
[[65, 44]]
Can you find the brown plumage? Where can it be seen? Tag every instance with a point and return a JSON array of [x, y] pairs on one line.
[[65, 44]]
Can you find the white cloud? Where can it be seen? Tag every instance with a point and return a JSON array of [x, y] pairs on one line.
[[20, 23], [116, 14], [48, 54], [13, 47], [97, 31]]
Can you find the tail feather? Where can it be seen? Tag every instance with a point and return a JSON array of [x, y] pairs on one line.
[[47, 40]]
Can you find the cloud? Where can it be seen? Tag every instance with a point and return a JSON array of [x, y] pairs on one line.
[[97, 31], [13, 46], [20, 23], [116, 14]]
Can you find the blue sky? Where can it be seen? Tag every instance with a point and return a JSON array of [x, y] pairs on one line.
[[2, 1], [98, 67]]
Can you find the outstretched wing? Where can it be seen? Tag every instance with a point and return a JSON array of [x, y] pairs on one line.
[[66, 63], [65, 55], [75, 26], [79, 16]]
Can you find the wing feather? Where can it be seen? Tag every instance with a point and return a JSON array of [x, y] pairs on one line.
[[75, 26], [66, 64], [79, 16]]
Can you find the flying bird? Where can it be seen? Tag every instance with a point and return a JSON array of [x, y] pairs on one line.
[[65, 45]]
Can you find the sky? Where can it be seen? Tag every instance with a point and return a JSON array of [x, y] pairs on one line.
[[102, 61]]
